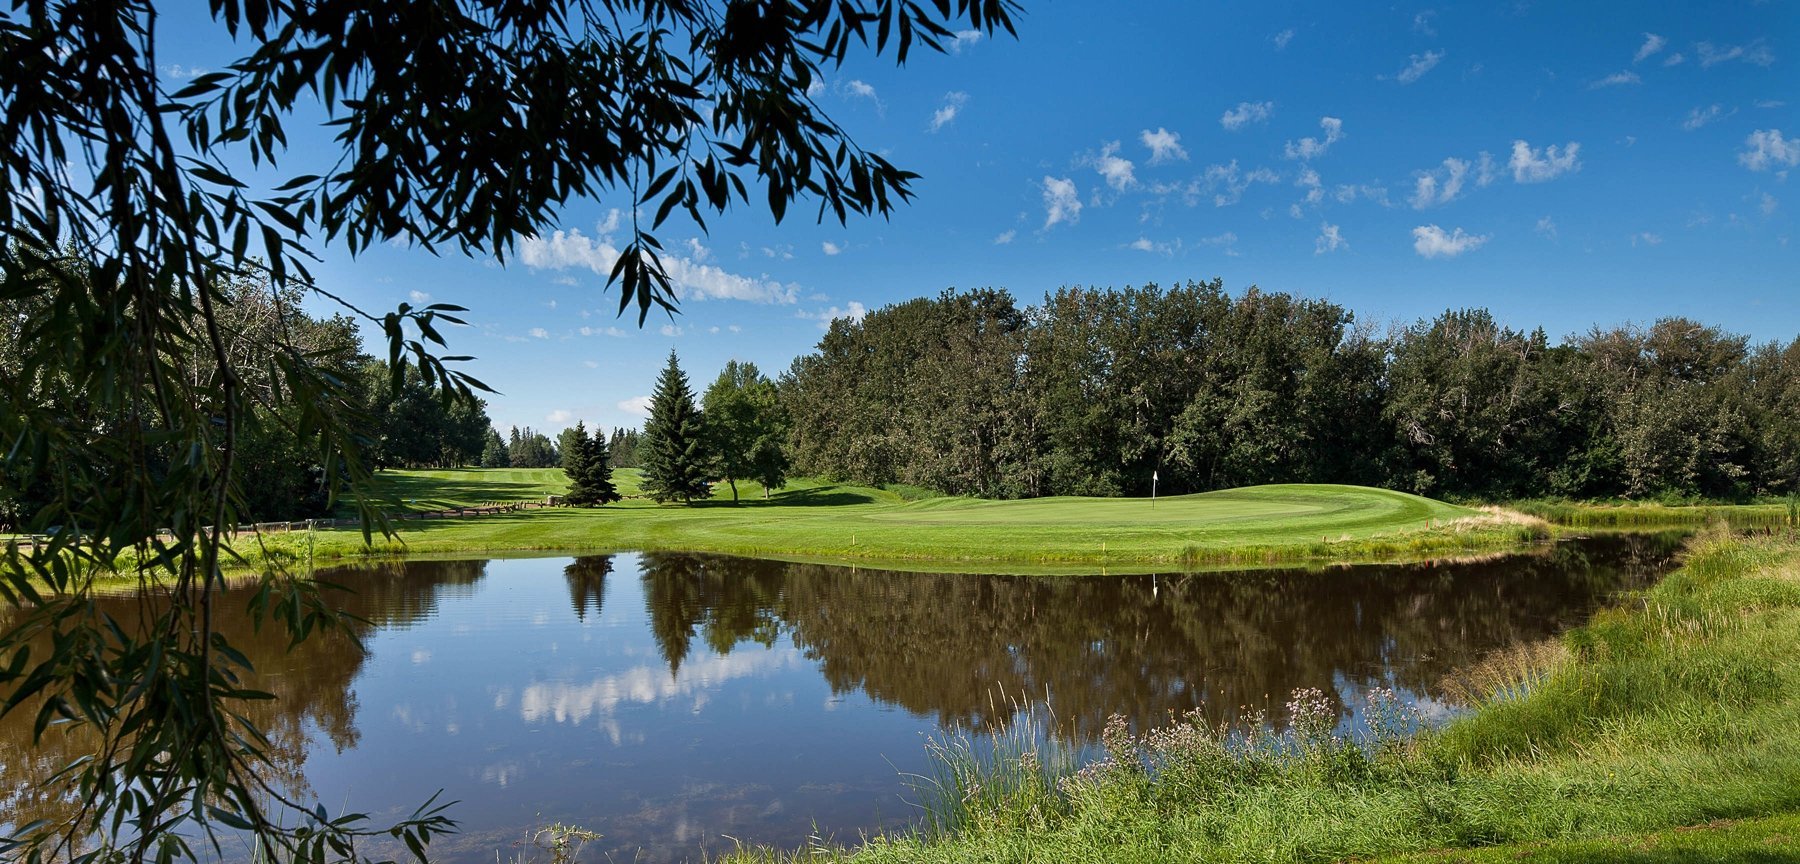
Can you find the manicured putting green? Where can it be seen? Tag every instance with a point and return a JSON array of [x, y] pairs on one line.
[[818, 520]]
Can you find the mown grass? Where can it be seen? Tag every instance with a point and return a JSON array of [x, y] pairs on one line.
[[1679, 707], [904, 528]]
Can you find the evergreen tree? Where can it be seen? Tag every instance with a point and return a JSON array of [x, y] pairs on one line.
[[568, 441], [674, 458], [590, 471], [493, 453]]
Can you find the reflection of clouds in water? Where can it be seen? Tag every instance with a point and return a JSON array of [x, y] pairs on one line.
[[1355, 696], [647, 685], [420, 656], [501, 774]]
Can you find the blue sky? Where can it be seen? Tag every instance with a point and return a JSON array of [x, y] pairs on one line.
[[1562, 165]]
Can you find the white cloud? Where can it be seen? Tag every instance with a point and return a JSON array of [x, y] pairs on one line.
[[1536, 166], [1419, 65], [1315, 189], [611, 223], [1485, 170], [1227, 240], [1430, 241], [1311, 148], [1699, 117], [560, 416], [1768, 149], [614, 332], [1225, 183], [539, 333], [418, 296], [1005, 237], [1771, 103], [860, 89], [1061, 202], [180, 72], [1165, 146], [1646, 238], [1118, 172], [1346, 193], [692, 279], [1624, 76], [963, 40], [1282, 39], [671, 330], [830, 248], [1756, 53], [853, 310], [591, 364], [1767, 204], [953, 105], [1439, 185], [1329, 239], [1546, 227], [1145, 244], [1422, 22], [1246, 113], [639, 405], [1652, 44], [1675, 59]]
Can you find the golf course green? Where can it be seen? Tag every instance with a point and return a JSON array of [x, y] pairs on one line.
[[819, 520]]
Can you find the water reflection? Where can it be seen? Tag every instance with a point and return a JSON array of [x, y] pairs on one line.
[[669, 699]]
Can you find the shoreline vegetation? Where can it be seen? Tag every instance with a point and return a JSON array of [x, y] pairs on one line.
[[1683, 699], [906, 528]]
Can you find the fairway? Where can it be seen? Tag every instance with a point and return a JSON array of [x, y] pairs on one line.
[[817, 520]]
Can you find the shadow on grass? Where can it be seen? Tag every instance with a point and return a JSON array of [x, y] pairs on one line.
[[818, 496], [416, 492]]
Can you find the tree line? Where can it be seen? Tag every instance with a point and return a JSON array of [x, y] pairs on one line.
[[283, 473], [1094, 391]]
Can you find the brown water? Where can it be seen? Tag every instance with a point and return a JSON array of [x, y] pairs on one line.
[[672, 702]]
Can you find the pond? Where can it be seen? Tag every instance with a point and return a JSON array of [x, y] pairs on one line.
[[678, 703]]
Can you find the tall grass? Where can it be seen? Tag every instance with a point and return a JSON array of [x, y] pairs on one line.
[[1679, 706], [1577, 514]]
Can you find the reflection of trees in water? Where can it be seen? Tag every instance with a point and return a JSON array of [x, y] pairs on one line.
[[311, 683], [587, 583], [952, 647], [956, 646]]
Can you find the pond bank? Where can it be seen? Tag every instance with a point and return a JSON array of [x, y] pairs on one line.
[[1680, 706]]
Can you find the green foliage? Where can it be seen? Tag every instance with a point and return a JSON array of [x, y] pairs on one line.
[[746, 428], [586, 462], [676, 462], [493, 451], [528, 448], [1092, 392]]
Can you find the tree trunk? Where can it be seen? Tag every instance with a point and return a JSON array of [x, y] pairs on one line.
[[733, 483]]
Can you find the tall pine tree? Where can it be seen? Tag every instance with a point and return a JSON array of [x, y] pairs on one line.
[[589, 468], [676, 463]]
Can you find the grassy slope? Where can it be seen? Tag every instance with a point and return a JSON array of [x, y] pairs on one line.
[[818, 520], [1750, 841], [1677, 708]]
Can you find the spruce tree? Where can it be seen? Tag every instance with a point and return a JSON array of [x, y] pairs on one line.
[[675, 460], [589, 469]]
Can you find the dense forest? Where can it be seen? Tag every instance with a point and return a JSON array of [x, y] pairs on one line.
[[1092, 391]]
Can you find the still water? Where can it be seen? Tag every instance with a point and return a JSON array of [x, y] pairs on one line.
[[676, 703]]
